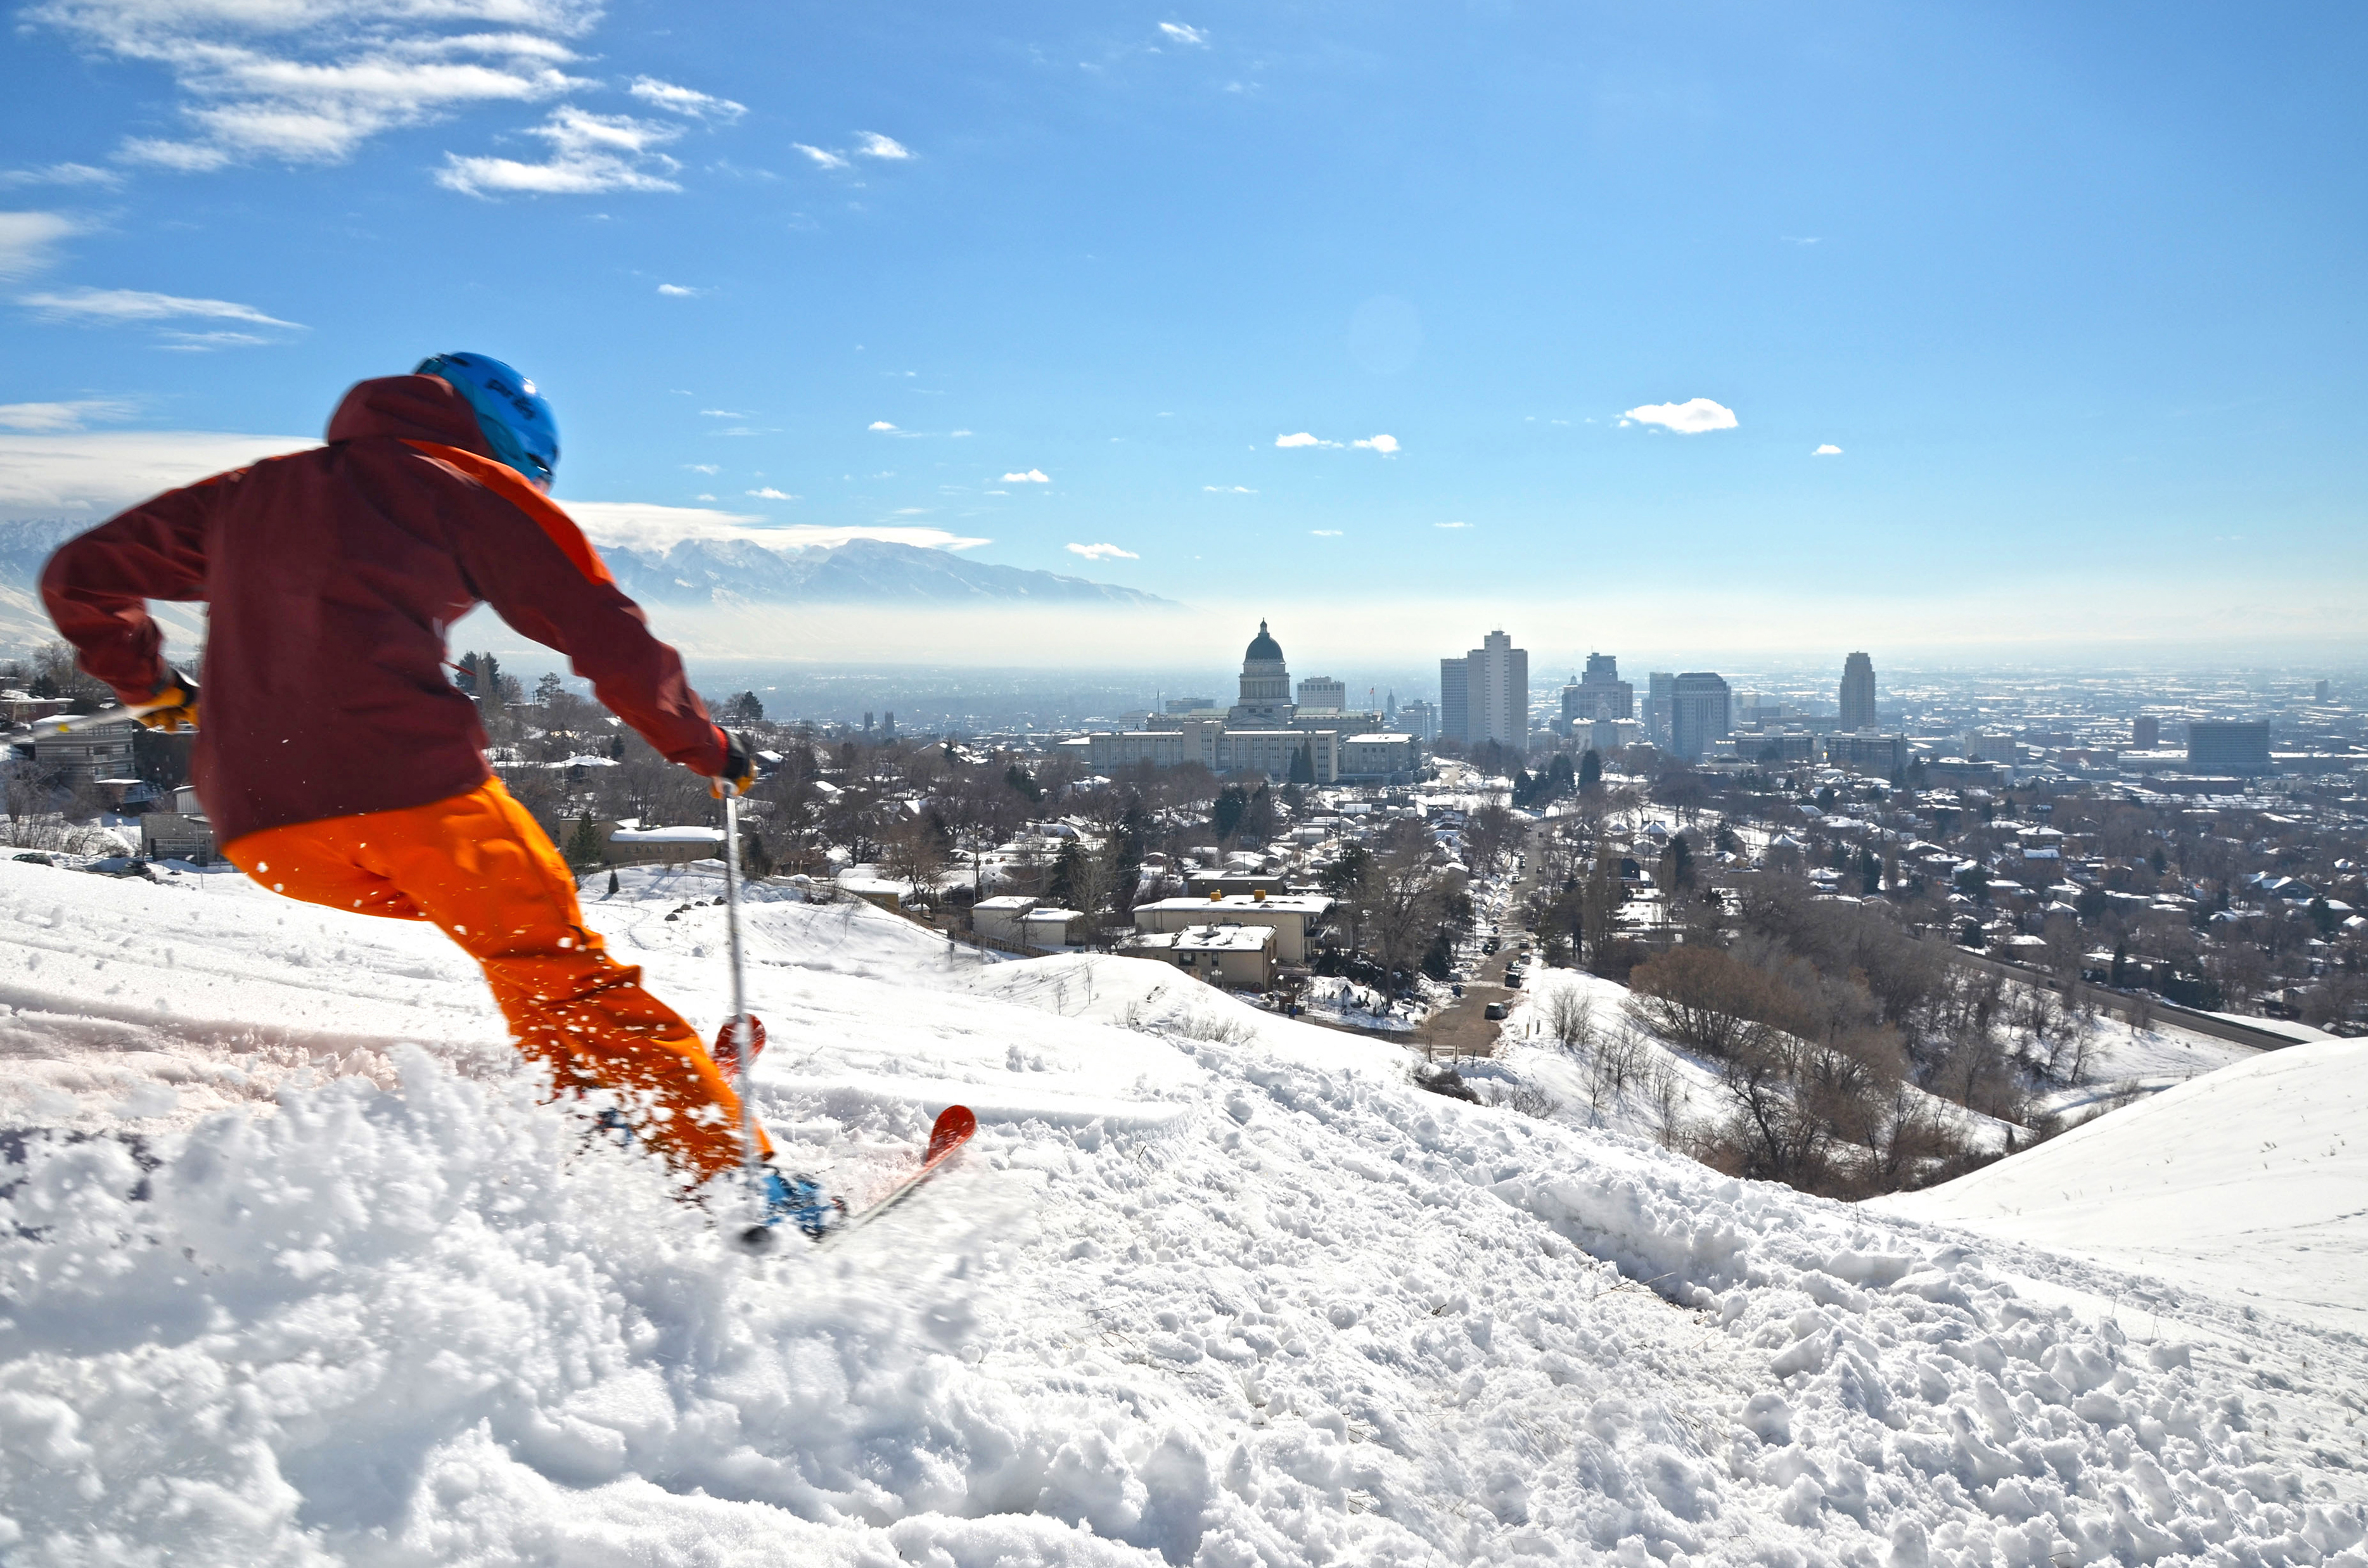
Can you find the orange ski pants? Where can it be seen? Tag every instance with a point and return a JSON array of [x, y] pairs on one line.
[[485, 872]]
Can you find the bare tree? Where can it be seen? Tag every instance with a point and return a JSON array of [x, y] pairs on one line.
[[914, 851], [1398, 904]]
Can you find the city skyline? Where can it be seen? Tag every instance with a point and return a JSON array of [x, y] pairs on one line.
[[1143, 300]]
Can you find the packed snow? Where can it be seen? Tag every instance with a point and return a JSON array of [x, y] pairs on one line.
[[297, 1270], [2246, 1184]]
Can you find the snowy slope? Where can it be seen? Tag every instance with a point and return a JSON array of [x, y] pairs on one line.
[[2249, 1183], [1209, 1287]]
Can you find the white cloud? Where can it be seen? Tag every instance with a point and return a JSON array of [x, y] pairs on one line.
[[958, 432], [176, 341], [1176, 32], [770, 493], [676, 292], [723, 414], [686, 101], [821, 158], [1327, 533], [63, 173], [43, 417], [309, 81], [1827, 451], [181, 157], [26, 239], [96, 474], [882, 425], [1229, 490], [702, 468], [1385, 445], [1450, 524], [1691, 417], [872, 145], [1033, 476], [589, 154], [1102, 552], [134, 304]]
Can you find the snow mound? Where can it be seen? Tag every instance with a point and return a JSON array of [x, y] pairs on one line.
[[2244, 1183], [1209, 1288]]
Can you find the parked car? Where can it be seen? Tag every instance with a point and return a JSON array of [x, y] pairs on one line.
[[1493, 1011]]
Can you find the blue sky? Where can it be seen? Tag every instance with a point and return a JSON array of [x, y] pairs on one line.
[[2074, 291]]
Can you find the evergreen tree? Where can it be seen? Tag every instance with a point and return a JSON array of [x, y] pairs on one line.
[[583, 846], [1020, 778], [1590, 769], [1225, 817], [1302, 763], [1068, 874], [1560, 778], [612, 884]]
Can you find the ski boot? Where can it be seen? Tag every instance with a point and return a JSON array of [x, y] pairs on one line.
[[794, 1200]]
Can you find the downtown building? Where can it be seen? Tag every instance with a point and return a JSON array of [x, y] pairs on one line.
[[1599, 694], [1856, 694], [1263, 732], [1701, 714], [1485, 695]]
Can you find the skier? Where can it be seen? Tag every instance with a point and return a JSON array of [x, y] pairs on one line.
[[339, 765]]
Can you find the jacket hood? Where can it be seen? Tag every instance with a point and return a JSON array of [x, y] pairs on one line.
[[409, 408]]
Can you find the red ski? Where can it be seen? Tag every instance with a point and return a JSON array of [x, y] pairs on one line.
[[953, 1128]]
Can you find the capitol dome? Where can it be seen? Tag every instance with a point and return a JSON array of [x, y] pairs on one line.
[[1263, 648]]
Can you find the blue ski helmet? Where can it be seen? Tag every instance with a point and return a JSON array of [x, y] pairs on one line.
[[518, 423]]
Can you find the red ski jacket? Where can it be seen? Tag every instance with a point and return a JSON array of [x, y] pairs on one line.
[[330, 577]]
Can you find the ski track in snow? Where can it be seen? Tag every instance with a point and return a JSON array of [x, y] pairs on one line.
[[1209, 1287]]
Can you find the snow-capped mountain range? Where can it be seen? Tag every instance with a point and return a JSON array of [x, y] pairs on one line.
[[860, 572], [724, 573]]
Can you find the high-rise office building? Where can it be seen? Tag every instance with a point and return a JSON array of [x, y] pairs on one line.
[[1419, 719], [1485, 695], [1699, 713], [1599, 693], [2229, 745], [2146, 732], [2325, 691], [1454, 700], [1857, 693], [1660, 687]]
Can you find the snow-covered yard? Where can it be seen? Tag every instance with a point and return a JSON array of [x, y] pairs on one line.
[[1210, 1287]]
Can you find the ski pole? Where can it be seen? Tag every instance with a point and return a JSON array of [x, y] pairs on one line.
[[743, 1038]]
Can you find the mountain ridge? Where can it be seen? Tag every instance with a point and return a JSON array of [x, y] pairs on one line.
[[723, 574]]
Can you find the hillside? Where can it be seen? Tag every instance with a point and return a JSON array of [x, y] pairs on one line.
[[2249, 1183], [1210, 1287]]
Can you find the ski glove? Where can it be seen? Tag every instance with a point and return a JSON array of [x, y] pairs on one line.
[[739, 775], [172, 706]]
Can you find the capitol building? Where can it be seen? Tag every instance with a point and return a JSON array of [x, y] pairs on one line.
[[1264, 732]]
